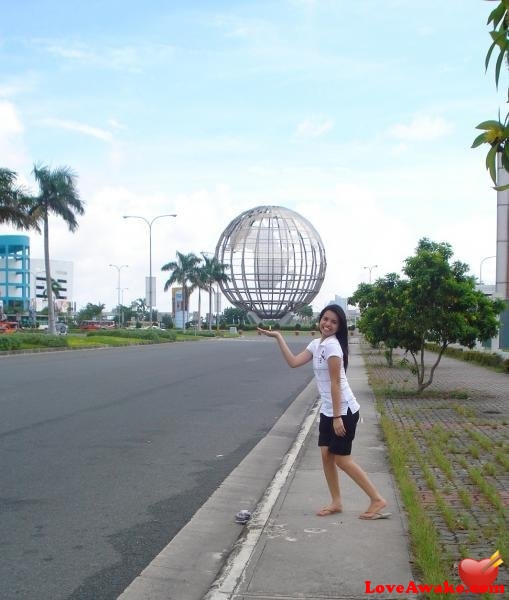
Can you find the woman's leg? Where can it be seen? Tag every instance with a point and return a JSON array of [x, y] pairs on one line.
[[353, 470], [332, 477]]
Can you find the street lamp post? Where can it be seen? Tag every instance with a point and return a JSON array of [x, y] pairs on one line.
[[480, 267], [149, 225], [370, 268], [119, 268]]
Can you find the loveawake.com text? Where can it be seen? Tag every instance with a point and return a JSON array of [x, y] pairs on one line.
[[419, 588]]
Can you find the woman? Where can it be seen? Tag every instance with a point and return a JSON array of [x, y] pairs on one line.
[[339, 411]]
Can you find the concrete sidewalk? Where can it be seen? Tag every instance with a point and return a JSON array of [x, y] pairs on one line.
[[300, 555], [286, 551]]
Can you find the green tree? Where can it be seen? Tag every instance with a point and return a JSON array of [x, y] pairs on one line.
[[14, 202], [58, 195], [140, 309], [123, 314], [90, 312], [380, 304], [167, 321], [305, 312], [438, 302], [234, 316], [183, 272], [214, 272]]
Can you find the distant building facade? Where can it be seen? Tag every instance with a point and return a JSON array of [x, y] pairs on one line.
[[14, 273], [63, 278], [23, 279]]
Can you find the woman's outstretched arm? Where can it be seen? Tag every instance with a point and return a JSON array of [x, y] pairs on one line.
[[294, 360]]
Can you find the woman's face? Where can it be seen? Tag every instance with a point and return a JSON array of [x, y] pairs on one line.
[[329, 323]]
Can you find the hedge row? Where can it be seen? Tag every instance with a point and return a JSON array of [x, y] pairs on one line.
[[153, 335], [18, 341], [486, 359]]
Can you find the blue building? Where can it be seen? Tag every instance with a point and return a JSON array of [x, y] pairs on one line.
[[15, 273]]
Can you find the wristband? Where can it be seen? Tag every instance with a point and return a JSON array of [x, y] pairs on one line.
[[338, 417]]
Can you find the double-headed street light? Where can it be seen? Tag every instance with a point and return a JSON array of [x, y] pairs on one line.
[[149, 224], [370, 268]]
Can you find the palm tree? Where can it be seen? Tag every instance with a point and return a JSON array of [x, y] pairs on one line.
[[214, 272], [182, 271], [14, 202], [56, 288], [58, 195], [199, 280], [139, 307]]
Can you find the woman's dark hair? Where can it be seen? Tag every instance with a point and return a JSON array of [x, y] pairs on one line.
[[342, 332]]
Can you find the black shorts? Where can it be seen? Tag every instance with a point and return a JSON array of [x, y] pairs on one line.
[[338, 444]]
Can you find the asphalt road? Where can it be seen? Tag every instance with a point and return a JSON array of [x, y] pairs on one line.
[[106, 454]]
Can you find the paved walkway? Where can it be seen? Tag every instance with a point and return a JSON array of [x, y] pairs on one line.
[[300, 555], [286, 552]]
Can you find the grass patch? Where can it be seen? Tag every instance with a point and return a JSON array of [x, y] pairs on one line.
[[98, 341], [466, 498], [449, 471], [391, 392], [483, 440], [464, 411], [502, 457], [425, 542], [487, 488]]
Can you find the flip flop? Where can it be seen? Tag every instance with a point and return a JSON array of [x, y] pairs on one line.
[[242, 517], [325, 511], [374, 516]]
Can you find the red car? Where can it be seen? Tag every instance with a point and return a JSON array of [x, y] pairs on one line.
[[8, 327]]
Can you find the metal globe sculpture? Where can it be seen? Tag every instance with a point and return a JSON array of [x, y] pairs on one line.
[[276, 261]]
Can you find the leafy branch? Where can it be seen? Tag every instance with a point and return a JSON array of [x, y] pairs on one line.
[[495, 132]]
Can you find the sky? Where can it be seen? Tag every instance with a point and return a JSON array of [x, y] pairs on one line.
[[357, 115]]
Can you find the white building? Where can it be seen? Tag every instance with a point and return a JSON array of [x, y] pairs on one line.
[[62, 274]]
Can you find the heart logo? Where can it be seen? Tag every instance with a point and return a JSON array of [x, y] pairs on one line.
[[477, 572]]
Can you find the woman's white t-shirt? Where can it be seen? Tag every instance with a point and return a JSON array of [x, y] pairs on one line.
[[322, 351]]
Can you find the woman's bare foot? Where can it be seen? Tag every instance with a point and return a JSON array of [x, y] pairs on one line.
[[330, 509], [375, 510]]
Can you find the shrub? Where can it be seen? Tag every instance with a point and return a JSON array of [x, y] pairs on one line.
[[486, 359], [153, 335], [10, 342], [17, 341]]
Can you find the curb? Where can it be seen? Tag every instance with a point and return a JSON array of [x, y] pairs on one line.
[[192, 562]]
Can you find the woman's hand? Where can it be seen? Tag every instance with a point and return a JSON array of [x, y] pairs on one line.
[[268, 332], [339, 427]]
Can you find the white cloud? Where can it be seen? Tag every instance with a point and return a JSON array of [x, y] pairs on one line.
[[12, 131], [314, 127], [422, 128], [130, 57], [19, 84], [243, 28], [10, 123], [96, 132]]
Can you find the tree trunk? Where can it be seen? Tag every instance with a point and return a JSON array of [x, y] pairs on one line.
[[421, 384], [198, 326], [49, 289], [210, 307]]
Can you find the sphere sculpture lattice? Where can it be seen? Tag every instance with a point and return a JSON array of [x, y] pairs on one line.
[[276, 261]]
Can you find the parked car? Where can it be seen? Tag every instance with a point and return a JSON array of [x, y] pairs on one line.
[[61, 328], [8, 327], [91, 325]]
